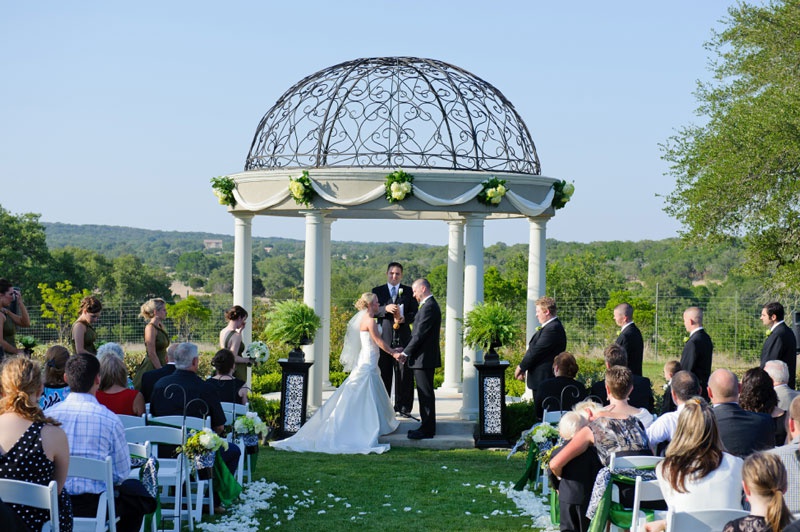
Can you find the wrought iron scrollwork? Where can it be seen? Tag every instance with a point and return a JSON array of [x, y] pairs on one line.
[[394, 112]]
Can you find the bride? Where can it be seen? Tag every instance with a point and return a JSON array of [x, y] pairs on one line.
[[359, 411]]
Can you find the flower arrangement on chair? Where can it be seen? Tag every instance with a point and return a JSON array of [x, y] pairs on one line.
[[200, 447], [399, 185], [250, 428], [493, 191], [223, 189], [301, 189]]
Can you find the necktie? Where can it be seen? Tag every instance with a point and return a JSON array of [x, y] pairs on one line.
[[394, 292]]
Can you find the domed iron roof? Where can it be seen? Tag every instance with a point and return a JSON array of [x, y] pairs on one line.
[[388, 112]]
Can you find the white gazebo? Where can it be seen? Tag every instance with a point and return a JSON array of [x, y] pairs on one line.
[[351, 125]]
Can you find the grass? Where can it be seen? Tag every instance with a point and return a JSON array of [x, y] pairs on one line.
[[408, 489]]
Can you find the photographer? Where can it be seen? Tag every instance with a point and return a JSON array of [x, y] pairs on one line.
[[13, 314]]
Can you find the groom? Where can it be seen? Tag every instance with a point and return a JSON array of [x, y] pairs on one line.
[[424, 356]]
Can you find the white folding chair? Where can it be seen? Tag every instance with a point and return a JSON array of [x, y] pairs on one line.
[[141, 450], [132, 421], [187, 423], [244, 467], [232, 411], [645, 490], [102, 470], [172, 472], [634, 462], [712, 520], [35, 495], [553, 416]]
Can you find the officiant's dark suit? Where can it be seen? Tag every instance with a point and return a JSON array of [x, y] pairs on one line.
[[424, 356], [547, 342], [389, 367]]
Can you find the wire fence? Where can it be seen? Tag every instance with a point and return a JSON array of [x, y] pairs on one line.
[[732, 322]]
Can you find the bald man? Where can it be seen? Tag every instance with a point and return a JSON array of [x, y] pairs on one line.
[[741, 432], [697, 352]]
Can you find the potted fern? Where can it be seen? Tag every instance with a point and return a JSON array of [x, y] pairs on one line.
[[487, 327], [292, 323]]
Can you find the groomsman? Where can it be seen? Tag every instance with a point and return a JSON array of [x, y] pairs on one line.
[[780, 343], [630, 337], [548, 341], [698, 350], [424, 356], [392, 297]]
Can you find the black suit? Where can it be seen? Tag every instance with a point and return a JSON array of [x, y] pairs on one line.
[[150, 378], [549, 395], [631, 340], [781, 345], [403, 376], [743, 432], [575, 488], [424, 356], [667, 404], [641, 396], [696, 357], [545, 345]]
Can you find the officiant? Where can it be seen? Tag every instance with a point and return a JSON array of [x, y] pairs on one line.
[[397, 308]]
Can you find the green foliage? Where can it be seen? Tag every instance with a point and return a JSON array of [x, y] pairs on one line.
[[519, 416], [489, 324], [24, 258], [492, 192], [337, 378], [223, 189], [737, 172], [514, 388], [61, 305], [301, 189], [188, 315], [563, 193], [644, 314], [398, 185], [266, 382], [268, 410], [290, 323]]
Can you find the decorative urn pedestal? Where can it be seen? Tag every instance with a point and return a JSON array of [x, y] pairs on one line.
[[294, 393], [491, 402]]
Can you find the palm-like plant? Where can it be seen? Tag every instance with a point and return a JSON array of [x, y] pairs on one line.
[[292, 323], [488, 326]]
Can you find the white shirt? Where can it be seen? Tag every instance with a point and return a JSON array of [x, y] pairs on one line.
[[663, 427], [694, 331], [623, 327]]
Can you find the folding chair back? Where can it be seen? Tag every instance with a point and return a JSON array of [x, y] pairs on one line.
[[702, 520], [35, 495], [102, 470]]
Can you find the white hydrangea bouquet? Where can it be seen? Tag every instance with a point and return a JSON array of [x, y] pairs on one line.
[[202, 442], [250, 423], [257, 352]]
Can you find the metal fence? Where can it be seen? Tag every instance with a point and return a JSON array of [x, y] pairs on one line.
[[733, 324]]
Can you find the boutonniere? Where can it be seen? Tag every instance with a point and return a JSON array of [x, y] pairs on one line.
[[539, 328], [685, 339], [767, 332], [666, 386], [400, 292]]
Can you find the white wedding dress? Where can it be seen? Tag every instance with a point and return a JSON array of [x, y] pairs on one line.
[[353, 418]]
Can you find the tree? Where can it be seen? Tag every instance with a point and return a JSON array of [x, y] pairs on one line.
[[61, 304], [739, 172], [188, 315], [24, 258]]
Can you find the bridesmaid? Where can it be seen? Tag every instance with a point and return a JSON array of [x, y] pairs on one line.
[[83, 333], [230, 338], [156, 339]]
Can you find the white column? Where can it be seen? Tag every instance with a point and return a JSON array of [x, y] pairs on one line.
[[243, 272], [473, 294], [537, 269], [325, 367], [453, 339], [312, 296]]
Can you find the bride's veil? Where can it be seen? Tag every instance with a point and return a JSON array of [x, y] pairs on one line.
[[352, 342]]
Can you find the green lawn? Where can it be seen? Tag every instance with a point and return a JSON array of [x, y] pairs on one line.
[[405, 489]]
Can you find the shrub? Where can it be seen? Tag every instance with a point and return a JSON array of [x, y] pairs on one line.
[[519, 417], [337, 378], [514, 388], [266, 383], [268, 410]]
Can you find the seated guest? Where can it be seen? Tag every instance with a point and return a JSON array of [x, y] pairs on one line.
[[150, 378], [764, 482], [667, 404], [742, 432], [229, 388], [790, 456], [642, 394], [96, 432], [172, 392], [758, 395], [696, 473], [576, 477], [55, 388], [114, 349], [114, 393], [779, 373], [29, 438], [684, 386], [615, 429], [562, 391]]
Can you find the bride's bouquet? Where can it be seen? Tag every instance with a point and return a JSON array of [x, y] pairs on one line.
[[257, 352]]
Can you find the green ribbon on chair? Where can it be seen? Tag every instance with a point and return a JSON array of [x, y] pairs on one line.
[[224, 483], [555, 510], [531, 470], [618, 514]]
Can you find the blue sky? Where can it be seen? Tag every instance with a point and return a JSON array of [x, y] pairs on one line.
[[119, 113]]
